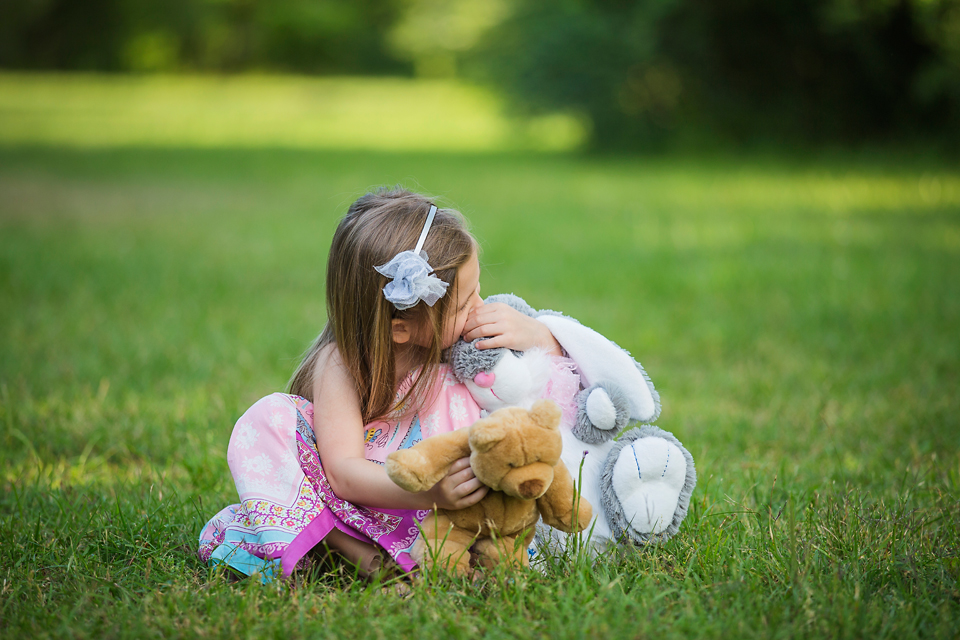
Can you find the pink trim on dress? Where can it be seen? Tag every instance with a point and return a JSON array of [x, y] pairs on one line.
[[286, 503]]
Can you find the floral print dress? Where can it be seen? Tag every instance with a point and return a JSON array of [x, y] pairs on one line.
[[286, 504]]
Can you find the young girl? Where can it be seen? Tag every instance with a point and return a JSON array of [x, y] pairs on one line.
[[403, 284]]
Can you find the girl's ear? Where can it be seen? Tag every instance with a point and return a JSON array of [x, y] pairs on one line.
[[401, 331]]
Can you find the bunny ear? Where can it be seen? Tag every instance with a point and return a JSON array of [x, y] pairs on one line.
[[484, 435], [546, 413], [599, 359]]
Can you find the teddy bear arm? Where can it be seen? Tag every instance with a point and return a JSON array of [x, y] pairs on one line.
[[561, 506], [426, 463]]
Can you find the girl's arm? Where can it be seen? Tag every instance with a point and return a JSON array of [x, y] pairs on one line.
[[504, 326], [338, 425]]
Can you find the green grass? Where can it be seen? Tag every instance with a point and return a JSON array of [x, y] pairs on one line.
[[251, 111], [799, 317]]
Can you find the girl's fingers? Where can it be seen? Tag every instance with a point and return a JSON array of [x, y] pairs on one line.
[[483, 318], [460, 480], [474, 325], [471, 324], [460, 465], [473, 498], [464, 489], [492, 343], [484, 331], [463, 494], [457, 480]]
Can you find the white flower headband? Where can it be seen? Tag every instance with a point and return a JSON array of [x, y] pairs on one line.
[[410, 273]]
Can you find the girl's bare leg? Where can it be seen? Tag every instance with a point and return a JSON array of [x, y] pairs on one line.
[[369, 560]]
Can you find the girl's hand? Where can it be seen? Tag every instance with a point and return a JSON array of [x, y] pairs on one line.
[[459, 489], [504, 326]]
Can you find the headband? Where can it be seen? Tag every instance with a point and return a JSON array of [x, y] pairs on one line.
[[410, 274]]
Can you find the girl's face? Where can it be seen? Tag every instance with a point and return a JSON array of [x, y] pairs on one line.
[[468, 298]]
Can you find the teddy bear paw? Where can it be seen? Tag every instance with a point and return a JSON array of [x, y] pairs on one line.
[[402, 467], [647, 481]]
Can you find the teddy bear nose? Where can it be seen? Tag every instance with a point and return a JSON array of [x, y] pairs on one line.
[[484, 379]]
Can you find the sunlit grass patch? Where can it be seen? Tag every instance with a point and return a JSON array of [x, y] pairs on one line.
[[798, 318], [273, 111]]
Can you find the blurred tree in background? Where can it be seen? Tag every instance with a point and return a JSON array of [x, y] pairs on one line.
[[306, 36], [659, 71], [436, 35], [643, 74]]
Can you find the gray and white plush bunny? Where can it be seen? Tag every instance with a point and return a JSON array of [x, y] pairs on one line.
[[640, 482]]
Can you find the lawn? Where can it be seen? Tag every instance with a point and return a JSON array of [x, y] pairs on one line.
[[799, 316]]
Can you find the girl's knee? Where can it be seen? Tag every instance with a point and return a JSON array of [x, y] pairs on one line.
[[268, 408], [270, 423]]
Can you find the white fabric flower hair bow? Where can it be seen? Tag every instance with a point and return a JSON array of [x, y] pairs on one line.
[[412, 279]]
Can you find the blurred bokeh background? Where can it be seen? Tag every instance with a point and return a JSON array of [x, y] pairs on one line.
[[759, 199], [633, 75]]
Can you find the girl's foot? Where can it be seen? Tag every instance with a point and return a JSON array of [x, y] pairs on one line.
[[371, 562]]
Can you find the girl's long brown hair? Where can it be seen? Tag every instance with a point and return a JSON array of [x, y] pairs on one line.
[[377, 227]]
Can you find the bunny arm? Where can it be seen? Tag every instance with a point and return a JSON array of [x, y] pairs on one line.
[[599, 359], [557, 504], [427, 462]]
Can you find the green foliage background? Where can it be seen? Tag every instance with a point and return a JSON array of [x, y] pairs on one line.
[[310, 36], [729, 72], [642, 75]]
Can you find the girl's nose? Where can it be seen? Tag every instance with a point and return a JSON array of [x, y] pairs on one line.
[[484, 379]]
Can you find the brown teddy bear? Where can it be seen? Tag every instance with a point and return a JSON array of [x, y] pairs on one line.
[[516, 453]]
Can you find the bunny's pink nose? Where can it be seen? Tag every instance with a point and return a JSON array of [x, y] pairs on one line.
[[484, 379]]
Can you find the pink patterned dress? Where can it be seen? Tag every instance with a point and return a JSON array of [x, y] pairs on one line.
[[286, 504]]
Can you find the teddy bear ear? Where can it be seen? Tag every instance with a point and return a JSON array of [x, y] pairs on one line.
[[484, 435], [546, 413]]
